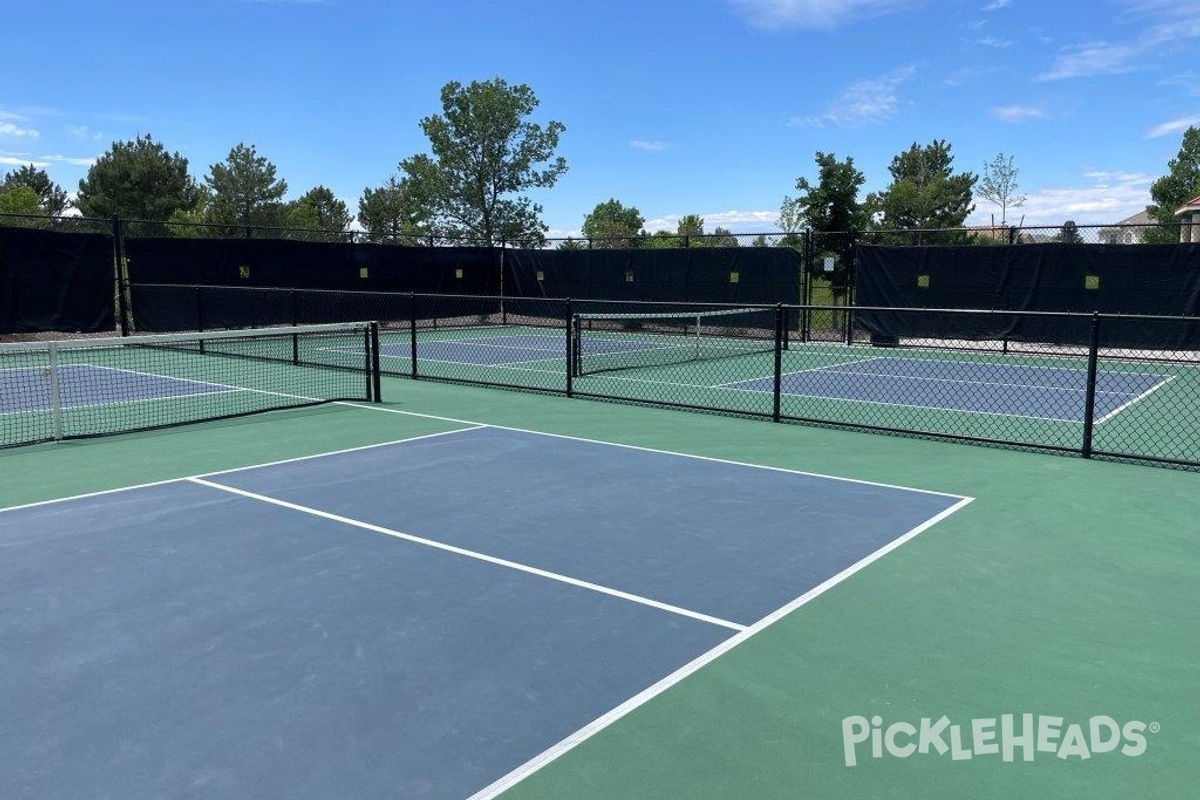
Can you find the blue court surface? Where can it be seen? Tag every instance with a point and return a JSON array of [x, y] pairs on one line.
[[496, 351], [1048, 393], [26, 389], [415, 619]]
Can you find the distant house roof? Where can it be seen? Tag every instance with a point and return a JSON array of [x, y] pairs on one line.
[[1140, 218], [1190, 207]]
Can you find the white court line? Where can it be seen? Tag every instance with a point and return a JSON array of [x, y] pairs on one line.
[[650, 450], [1137, 399], [457, 342], [473, 554], [637, 701], [220, 389], [771, 377], [836, 371], [166, 481]]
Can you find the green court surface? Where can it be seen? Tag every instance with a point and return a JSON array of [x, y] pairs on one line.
[[1030, 398], [1066, 588]]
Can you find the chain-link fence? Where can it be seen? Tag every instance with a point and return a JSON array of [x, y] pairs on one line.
[[1088, 384]]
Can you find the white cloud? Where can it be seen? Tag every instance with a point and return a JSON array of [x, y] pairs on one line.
[[1109, 196], [17, 161], [992, 41], [867, 102], [647, 146], [1016, 114], [1164, 22], [1187, 81], [82, 132], [734, 221], [74, 161], [1173, 126], [1096, 58], [814, 14], [966, 75], [13, 129], [996, 5]]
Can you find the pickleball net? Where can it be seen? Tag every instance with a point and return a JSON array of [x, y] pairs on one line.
[[609, 342], [92, 387]]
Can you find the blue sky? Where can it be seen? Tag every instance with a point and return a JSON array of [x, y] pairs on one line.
[[712, 107]]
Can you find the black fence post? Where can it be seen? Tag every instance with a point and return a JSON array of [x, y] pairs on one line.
[[295, 308], [806, 322], [570, 320], [412, 330], [1089, 402], [503, 307], [778, 388]]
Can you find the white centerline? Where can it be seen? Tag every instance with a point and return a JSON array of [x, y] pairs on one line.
[[461, 551]]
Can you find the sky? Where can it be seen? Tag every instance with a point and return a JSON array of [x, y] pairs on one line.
[[709, 107]]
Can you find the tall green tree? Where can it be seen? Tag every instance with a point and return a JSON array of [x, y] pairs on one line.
[[484, 153], [720, 237], [690, 225], [610, 224], [52, 198], [192, 222], [662, 240], [318, 211], [1069, 233], [830, 208], [999, 185], [392, 213], [245, 190], [20, 199], [925, 194], [571, 243], [137, 180], [1178, 186]]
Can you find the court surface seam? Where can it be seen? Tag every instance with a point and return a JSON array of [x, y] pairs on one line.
[[473, 554]]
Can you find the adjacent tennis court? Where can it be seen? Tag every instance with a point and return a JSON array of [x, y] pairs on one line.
[[1057, 394]]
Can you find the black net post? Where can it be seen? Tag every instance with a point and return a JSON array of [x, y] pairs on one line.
[[295, 308], [571, 344], [1089, 403], [373, 367], [412, 330], [121, 275], [780, 325], [199, 290]]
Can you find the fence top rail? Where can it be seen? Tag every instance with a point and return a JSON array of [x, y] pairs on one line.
[[686, 306], [265, 332]]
